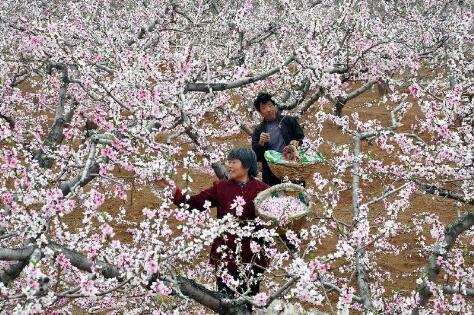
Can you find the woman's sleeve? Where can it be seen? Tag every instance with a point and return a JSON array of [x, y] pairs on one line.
[[197, 201]]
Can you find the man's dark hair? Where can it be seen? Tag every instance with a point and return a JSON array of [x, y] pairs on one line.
[[247, 157], [262, 98]]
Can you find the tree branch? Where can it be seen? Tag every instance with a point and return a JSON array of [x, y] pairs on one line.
[[438, 191], [208, 87], [454, 290], [15, 254], [55, 135], [210, 299], [218, 168], [9, 120], [441, 249], [311, 101], [386, 194], [305, 89], [360, 255], [10, 273], [359, 91]]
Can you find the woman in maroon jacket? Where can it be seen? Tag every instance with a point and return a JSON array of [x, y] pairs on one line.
[[242, 167]]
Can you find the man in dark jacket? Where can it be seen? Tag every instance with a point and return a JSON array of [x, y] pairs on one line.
[[274, 133]]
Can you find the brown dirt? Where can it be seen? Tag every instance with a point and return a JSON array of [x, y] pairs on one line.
[[141, 197]]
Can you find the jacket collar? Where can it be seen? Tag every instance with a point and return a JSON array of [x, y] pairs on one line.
[[242, 184]]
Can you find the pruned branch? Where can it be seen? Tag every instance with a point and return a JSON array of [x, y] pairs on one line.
[[281, 290], [211, 299], [15, 254], [77, 260], [91, 168], [143, 32], [340, 101], [189, 288]]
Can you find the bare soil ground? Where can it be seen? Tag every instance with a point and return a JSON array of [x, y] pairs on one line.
[[407, 261]]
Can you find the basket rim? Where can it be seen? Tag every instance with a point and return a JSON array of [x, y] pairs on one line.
[[292, 164], [280, 187]]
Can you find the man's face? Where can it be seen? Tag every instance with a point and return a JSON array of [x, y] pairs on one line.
[[268, 111]]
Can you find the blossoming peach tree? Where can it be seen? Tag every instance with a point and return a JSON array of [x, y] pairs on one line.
[[91, 87]]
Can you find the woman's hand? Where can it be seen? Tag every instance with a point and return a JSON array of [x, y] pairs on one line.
[[164, 183]]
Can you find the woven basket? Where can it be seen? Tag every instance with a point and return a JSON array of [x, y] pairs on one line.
[[286, 189], [294, 171]]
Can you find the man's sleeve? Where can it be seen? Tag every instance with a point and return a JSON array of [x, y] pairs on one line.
[[197, 201], [297, 131], [257, 148]]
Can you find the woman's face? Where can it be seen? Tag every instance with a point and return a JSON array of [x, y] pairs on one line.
[[236, 170]]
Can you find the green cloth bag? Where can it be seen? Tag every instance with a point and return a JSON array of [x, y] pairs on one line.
[[306, 157]]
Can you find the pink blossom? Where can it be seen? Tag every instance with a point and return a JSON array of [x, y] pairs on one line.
[[181, 215], [142, 95], [149, 213], [458, 299], [7, 198], [108, 152], [63, 261], [68, 134], [34, 40], [151, 266], [254, 247], [238, 205], [107, 230], [414, 89], [87, 286], [229, 280], [160, 288], [440, 260], [319, 181], [261, 299], [96, 198], [120, 192]]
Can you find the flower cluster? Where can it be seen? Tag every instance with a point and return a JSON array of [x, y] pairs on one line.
[[282, 208]]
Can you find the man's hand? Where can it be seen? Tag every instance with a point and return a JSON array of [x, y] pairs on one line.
[[295, 143], [264, 137]]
